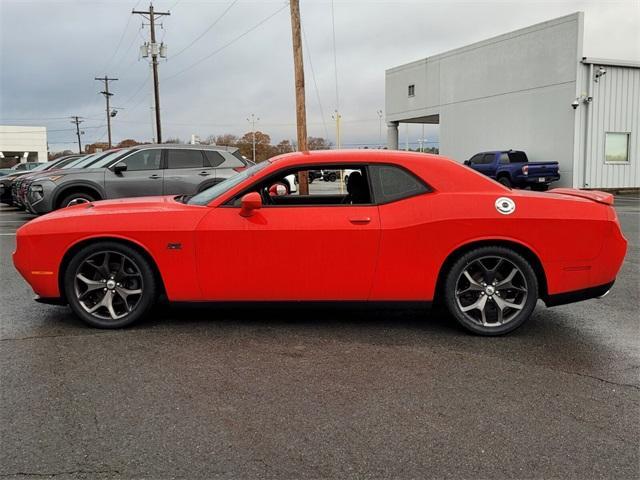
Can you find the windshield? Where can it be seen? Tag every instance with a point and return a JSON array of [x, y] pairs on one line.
[[104, 162], [78, 161], [204, 197], [43, 166]]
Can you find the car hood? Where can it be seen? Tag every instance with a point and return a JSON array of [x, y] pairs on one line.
[[122, 206], [13, 176]]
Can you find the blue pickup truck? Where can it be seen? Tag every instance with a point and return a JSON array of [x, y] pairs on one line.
[[512, 168]]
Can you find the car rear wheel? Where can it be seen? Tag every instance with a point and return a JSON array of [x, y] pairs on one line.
[[76, 199], [504, 180], [109, 285], [491, 290]]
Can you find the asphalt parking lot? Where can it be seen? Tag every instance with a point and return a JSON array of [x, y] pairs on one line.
[[331, 393]]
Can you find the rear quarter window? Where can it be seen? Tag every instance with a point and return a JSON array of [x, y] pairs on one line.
[[391, 183]]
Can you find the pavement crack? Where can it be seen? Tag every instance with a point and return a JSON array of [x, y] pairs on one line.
[[610, 382]]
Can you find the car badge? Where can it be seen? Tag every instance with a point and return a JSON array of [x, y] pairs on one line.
[[505, 205]]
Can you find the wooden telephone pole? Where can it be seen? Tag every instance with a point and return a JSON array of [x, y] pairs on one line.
[[107, 94], [76, 121], [151, 15], [301, 110]]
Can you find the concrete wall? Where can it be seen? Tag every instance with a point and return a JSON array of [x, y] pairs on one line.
[[511, 91], [24, 139]]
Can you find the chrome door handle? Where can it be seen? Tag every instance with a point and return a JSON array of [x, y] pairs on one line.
[[155, 177], [360, 220]]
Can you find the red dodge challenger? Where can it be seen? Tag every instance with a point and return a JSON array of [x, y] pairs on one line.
[[405, 228]]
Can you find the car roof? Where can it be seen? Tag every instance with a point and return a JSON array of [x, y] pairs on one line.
[[188, 146]]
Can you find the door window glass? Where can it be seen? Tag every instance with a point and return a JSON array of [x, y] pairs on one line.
[[143, 160], [328, 185], [392, 183], [184, 159]]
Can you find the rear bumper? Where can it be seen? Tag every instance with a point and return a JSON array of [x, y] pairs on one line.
[[577, 295]]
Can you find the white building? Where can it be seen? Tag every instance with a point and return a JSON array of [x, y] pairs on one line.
[[22, 144], [529, 90]]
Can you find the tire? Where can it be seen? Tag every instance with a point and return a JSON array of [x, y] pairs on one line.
[[118, 285], [79, 197], [332, 177], [346, 179], [504, 180], [488, 273]]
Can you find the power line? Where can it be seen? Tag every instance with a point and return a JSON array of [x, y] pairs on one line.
[[207, 29], [215, 52], [315, 84], [335, 58]]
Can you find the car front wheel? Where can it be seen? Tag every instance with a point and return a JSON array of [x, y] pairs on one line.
[[491, 290], [109, 285], [76, 199]]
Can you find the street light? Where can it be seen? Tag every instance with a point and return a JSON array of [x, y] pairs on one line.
[[252, 120], [379, 112]]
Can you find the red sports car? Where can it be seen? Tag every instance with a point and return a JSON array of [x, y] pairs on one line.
[[407, 227]]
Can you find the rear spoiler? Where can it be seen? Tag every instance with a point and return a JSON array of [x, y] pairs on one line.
[[595, 195]]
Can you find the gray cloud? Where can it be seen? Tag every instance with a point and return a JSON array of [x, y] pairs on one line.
[[50, 51]]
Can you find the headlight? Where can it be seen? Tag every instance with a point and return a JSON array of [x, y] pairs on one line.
[[36, 188]]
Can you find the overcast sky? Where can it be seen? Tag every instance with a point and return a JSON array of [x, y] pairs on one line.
[[51, 50]]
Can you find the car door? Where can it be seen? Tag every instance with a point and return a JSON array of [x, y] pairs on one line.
[[486, 165], [186, 169], [142, 177], [289, 252]]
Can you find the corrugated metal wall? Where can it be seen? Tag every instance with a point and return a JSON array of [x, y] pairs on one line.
[[615, 108]]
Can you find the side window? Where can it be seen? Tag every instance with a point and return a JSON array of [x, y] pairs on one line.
[[231, 161], [143, 160], [331, 185], [488, 158], [214, 158], [476, 159], [184, 158], [504, 157], [392, 183]]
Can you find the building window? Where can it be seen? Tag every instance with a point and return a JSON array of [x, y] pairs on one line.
[[412, 90], [616, 147]]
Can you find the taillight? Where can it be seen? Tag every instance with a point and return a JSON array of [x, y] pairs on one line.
[[525, 169]]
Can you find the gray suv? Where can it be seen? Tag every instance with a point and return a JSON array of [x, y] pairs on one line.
[[138, 171]]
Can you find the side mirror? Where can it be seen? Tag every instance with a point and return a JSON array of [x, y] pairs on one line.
[[119, 168], [467, 162], [249, 203]]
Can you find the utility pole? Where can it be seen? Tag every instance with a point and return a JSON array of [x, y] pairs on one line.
[[301, 111], [252, 120], [151, 15], [77, 121], [337, 117], [107, 94], [379, 112]]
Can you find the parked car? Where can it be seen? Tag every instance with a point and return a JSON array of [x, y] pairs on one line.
[[410, 228], [512, 168], [19, 167], [134, 172], [20, 186], [6, 182]]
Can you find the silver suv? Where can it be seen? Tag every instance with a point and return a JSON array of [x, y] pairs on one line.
[[138, 171]]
